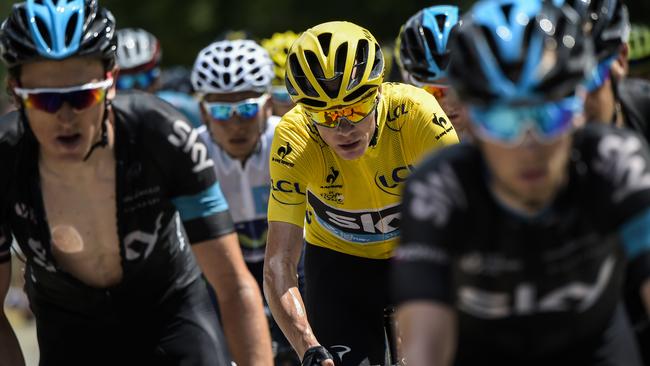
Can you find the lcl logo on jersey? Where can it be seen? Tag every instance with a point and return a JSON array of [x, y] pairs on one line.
[[287, 187], [282, 152], [397, 112], [390, 183], [187, 139]]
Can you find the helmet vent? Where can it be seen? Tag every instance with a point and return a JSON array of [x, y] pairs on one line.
[[340, 58], [300, 78], [42, 29], [226, 62], [360, 64], [413, 40], [325, 39], [431, 42], [441, 19], [378, 63], [506, 9], [359, 92], [226, 78]]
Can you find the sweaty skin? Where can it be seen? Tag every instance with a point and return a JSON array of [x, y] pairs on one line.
[[78, 195]]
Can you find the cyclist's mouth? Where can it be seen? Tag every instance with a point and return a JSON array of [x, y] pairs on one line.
[[69, 141], [350, 146], [238, 140]]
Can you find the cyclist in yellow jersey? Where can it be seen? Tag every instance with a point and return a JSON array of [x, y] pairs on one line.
[[338, 162]]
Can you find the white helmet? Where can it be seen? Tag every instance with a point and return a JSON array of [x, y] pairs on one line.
[[232, 66], [137, 48]]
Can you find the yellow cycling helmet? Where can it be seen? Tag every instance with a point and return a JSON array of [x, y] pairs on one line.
[[334, 64], [278, 47], [639, 43]]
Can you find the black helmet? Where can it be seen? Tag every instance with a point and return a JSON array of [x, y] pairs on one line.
[[423, 42], [57, 29], [519, 51], [608, 21]]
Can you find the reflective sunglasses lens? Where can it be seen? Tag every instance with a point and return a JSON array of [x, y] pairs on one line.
[[599, 75], [248, 110], [556, 118], [437, 91], [221, 112], [125, 82], [280, 94], [48, 102], [83, 99], [500, 123], [354, 113]]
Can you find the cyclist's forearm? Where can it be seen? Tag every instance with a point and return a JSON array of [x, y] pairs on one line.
[[283, 297], [645, 295], [248, 336]]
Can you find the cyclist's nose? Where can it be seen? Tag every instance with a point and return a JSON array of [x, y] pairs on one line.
[[66, 113], [345, 127]]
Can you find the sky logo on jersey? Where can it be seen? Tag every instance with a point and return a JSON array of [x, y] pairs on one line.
[[139, 244], [187, 139], [282, 152], [621, 157], [360, 227], [391, 183]]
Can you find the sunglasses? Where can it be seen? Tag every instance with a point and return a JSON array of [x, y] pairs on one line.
[[353, 114], [50, 100], [245, 109], [142, 80], [438, 91], [279, 93], [599, 74], [507, 124]]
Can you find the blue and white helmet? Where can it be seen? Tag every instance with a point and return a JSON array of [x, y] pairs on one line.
[[231, 67], [519, 51], [57, 29], [423, 40]]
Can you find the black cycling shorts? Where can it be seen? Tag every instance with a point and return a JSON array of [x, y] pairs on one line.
[[181, 330], [345, 297]]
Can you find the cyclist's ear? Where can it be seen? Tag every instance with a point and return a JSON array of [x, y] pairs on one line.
[[205, 117], [268, 108], [114, 74], [11, 84]]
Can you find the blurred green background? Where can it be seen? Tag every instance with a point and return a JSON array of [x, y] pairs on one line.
[[186, 26]]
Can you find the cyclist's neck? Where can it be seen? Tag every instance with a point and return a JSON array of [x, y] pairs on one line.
[[70, 170]]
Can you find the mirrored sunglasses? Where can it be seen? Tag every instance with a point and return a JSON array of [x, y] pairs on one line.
[[245, 109], [508, 125], [142, 80], [353, 114], [78, 97], [280, 94]]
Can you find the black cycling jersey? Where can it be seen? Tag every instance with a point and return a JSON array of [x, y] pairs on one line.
[[167, 198], [529, 288], [634, 96]]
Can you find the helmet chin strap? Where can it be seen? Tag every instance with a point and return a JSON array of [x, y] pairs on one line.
[[103, 140]]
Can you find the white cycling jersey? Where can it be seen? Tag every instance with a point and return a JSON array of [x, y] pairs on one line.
[[247, 192]]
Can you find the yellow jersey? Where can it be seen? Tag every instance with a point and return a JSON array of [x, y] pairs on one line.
[[353, 206]]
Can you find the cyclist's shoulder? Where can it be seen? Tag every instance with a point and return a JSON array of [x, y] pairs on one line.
[[397, 93], [11, 130], [464, 159], [146, 117], [405, 106], [294, 127]]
